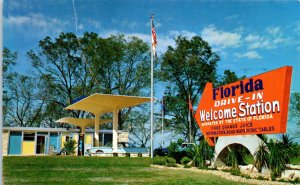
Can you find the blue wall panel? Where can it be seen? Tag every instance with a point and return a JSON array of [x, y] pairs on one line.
[[15, 143], [55, 141]]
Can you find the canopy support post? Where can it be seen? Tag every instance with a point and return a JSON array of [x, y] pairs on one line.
[[115, 130], [82, 130], [96, 134]]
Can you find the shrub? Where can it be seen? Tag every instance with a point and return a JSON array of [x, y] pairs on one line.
[[246, 176], [185, 160], [276, 155], [187, 166], [203, 167], [159, 161], [273, 176], [235, 157], [70, 146], [166, 161], [261, 157], [171, 162], [277, 159], [262, 178], [235, 172], [214, 168], [296, 181], [175, 152], [173, 149], [200, 153]]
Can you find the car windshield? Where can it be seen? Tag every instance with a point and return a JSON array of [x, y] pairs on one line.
[[125, 144], [131, 145]]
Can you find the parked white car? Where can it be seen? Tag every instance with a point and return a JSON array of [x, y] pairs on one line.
[[124, 149]]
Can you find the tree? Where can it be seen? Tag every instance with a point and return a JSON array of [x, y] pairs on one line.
[[138, 124], [261, 157], [27, 101], [294, 111], [70, 147], [9, 60], [229, 77], [275, 155], [23, 102], [58, 64], [122, 66], [236, 156], [201, 153], [186, 68], [72, 67]]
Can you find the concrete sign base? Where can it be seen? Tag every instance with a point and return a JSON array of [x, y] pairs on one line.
[[251, 142]]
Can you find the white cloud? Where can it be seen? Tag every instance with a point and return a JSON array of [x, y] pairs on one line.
[[80, 26], [231, 17], [157, 24], [126, 23], [34, 22], [239, 30], [106, 34], [183, 33], [272, 40], [94, 23], [221, 39], [249, 55], [273, 30], [252, 38], [17, 20], [19, 5], [129, 24], [296, 27]]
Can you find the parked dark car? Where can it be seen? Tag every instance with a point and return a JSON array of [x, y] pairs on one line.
[[161, 152]]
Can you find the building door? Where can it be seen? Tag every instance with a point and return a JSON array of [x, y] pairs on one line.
[[41, 144], [15, 143], [81, 145]]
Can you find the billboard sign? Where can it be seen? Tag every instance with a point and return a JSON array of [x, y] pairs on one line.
[[256, 105]]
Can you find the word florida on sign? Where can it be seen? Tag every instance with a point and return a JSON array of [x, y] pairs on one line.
[[256, 105]]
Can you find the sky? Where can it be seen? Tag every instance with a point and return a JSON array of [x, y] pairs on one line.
[[251, 37]]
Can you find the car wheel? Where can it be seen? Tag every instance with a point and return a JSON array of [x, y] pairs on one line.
[[99, 152]]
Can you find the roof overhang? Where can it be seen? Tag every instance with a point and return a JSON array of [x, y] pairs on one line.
[[82, 122], [104, 103]]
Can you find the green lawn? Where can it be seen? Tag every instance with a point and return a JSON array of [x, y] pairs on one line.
[[295, 161], [95, 170]]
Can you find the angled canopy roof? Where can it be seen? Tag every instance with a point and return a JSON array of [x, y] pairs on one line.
[[82, 122], [103, 103]]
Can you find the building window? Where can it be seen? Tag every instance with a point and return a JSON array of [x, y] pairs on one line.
[[28, 136]]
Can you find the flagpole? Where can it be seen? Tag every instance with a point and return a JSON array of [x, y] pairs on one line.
[[190, 120], [190, 126], [162, 127], [1, 92], [151, 119]]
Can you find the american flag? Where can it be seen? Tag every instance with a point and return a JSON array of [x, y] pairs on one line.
[[154, 41]]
